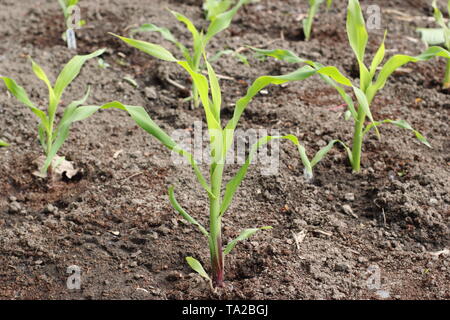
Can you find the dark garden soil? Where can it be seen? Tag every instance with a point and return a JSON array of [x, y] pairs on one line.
[[114, 220]]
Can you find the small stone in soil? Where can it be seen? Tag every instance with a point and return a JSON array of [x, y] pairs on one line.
[[174, 276], [14, 207], [348, 210], [349, 196]]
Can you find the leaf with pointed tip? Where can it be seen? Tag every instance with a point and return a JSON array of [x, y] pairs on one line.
[[197, 267], [307, 23], [183, 212], [223, 21], [3, 143], [53, 102], [71, 71], [141, 117], [22, 96], [234, 183], [401, 124], [247, 233], [398, 61], [149, 27]]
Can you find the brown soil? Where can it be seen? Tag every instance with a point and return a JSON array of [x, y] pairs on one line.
[[115, 221]]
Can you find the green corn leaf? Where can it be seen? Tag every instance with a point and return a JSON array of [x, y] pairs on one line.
[[223, 21], [356, 29], [201, 83], [71, 71], [215, 90], [247, 233], [264, 81], [398, 61], [290, 57], [63, 5], [22, 96], [197, 267], [53, 102], [378, 58], [78, 114], [358, 37], [401, 124], [234, 183], [242, 58], [323, 152], [141, 117], [149, 48], [329, 3], [215, 7], [280, 54], [194, 60], [365, 105], [68, 111], [148, 27], [3, 143], [183, 213]]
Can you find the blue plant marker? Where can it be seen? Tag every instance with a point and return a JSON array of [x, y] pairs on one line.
[[71, 39]]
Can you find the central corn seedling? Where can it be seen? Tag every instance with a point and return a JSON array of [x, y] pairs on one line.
[[221, 139], [370, 80]]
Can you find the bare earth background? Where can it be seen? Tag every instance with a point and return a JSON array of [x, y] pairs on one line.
[[114, 219]]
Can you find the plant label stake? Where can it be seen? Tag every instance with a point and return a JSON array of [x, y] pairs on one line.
[[71, 39]]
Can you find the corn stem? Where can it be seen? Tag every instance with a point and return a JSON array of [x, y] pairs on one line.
[[215, 232], [358, 140]]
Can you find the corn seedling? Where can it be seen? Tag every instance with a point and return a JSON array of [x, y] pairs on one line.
[[221, 139], [69, 10], [314, 6], [200, 40], [440, 36], [52, 138], [370, 84]]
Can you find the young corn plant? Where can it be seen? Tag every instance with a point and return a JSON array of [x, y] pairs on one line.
[[371, 81], [221, 139], [439, 36], [200, 40], [68, 7], [52, 136], [314, 6]]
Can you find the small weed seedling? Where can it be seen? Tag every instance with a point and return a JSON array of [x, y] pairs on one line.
[[68, 7], [439, 37], [200, 40], [221, 139], [3, 143], [369, 86], [52, 138], [314, 6]]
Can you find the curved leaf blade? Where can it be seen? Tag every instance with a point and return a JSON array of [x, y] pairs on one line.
[[197, 267]]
